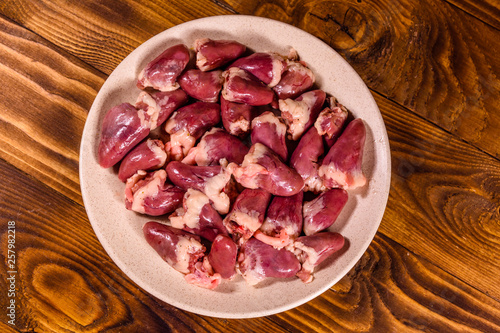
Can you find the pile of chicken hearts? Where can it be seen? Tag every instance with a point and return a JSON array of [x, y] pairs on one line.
[[250, 162]]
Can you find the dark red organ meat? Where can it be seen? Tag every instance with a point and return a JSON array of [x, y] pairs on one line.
[[161, 73], [321, 212], [247, 214], [255, 230], [313, 250], [159, 105], [265, 66], [283, 221], [150, 194], [242, 87], [211, 54], [204, 86], [341, 167], [258, 261], [236, 117], [301, 113], [269, 130], [223, 255], [305, 160], [188, 124], [263, 168], [179, 248], [198, 216], [214, 181], [148, 155], [330, 121], [123, 127], [296, 79], [214, 146]]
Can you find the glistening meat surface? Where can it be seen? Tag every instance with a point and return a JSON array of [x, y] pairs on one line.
[[262, 168], [245, 204]]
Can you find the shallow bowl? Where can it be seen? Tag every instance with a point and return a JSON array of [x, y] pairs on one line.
[[120, 230]]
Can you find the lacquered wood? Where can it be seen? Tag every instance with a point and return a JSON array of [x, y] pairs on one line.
[[428, 56], [441, 206], [66, 285], [487, 11], [45, 98], [433, 69], [392, 290]]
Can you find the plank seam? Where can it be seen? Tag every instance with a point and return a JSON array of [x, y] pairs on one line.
[[435, 124]]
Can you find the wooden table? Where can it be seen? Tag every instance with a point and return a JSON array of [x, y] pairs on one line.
[[433, 67]]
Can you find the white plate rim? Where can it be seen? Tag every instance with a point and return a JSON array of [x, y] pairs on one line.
[[381, 140]]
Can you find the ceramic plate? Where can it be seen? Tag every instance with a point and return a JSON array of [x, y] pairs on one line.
[[120, 230]]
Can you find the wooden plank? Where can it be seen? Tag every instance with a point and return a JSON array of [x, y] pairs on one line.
[[393, 290], [103, 33], [65, 280], [54, 159], [486, 10], [45, 98], [428, 56], [7, 328], [444, 199], [449, 78]]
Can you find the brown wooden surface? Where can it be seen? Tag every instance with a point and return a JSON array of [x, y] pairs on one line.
[[434, 70]]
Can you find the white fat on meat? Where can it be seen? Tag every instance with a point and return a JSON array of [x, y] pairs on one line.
[[228, 75], [248, 219], [331, 117], [269, 117], [279, 241], [180, 142], [153, 110], [166, 87], [189, 214], [314, 184], [198, 155], [184, 249], [311, 208], [308, 258], [253, 273], [142, 118], [160, 154], [241, 124], [339, 178], [247, 176], [293, 55], [201, 60], [247, 173], [149, 190], [130, 184], [297, 114], [278, 67], [203, 275], [214, 190], [296, 66], [303, 71]]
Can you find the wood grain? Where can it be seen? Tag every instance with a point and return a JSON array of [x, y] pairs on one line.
[[410, 209], [392, 290], [433, 69], [444, 201], [108, 31], [448, 77], [66, 281], [428, 56], [45, 97], [487, 11]]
